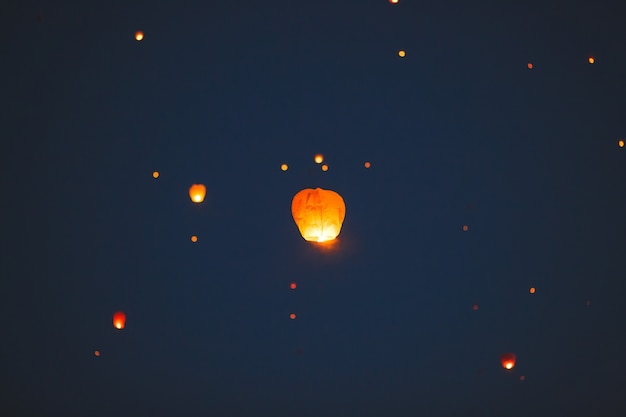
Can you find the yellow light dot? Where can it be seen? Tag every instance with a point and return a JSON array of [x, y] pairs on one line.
[[139, 35], [591, 60], [319, 158], [324, 167], [155, 174], [367, 164], [620, 143], [284, 167], [401, 53], [194, 238]]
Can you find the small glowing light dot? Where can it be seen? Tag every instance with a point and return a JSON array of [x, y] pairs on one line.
[[401, 53], [465, 228], [367, 164], [620, 143], [155, 174], [475, 307], [324, 167], [530, 65], [509, 366], [284, 167], [393, 1], [194, 238], [521, 378], [292, 316], [97, 353], [532, 290], [139, 35], [292, 285], [319, 158], [591, 60]]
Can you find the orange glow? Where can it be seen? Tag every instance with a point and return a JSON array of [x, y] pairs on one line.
[[319, 158], [292, 316], [119, 320], [97, 353], [401, 53], [284, 167], [292, 285], [367, 164], [324, 167], [155, 174], [508, 361], [620, 143], [532, 290], [465, 228], [530, 65], [194, 238], [393, 1], [475, 307], [318, 213], [591, 60], [139, 35], [197, 192]]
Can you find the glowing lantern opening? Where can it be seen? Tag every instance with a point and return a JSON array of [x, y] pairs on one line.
[[197, 192], [508, 361], [318, 213], [119, 320], [393, 1], [319, 158], [139, 35]]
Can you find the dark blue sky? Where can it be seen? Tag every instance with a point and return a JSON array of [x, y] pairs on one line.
[[458, 132]]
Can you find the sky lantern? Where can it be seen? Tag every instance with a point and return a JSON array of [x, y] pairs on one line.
[[97, 353], [324, 167], [620, 143], [319, 158], [197, 192], [292, 316], [465, 228], [508, 361], [194, 238], [138, 35], [591, 60], [393, 1], [292, 285], [155, 174], [530, 65], [284, 167], [401, 53], [318, 213], [532, 290], [119, 320], [367, 164]]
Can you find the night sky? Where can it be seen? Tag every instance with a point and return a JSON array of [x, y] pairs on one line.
[[460, 131]]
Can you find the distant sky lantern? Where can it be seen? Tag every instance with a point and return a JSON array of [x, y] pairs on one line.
[[620, 143], [508, 361], [367, 164], [119, 320], [475, 307], [401, 53], [284, 167], [292, 285], [591, 60], [155, 174], [532, 290], [324, 167], [465, 228], [318, 213], [139, 35], [197, 192], [319, 158], [194, 238], [292, 316], [97, 353], [393, 1], [530, 65]]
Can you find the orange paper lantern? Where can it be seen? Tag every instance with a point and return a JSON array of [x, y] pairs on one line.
[[318, 213], [197, 192], [508, 361], [119, 320]]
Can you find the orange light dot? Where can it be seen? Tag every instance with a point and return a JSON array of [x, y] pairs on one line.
[[292, 316], [367, 164], [155, 174], [393, 1], [591, 60], [292, 285], [620, 143], [532, 290], [324, 167], [530, 65], [194, 238], [97, 353], [465, 228], [284, 167], [139, 35], [401, 53], [319, 158]]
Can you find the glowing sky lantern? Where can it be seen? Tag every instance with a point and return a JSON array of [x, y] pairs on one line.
[[465, 228], [197, 192], [194, 238], [97, 353], [508, 361], [324, 167], [292, 285], [155, 174], [401, 53], [284, 167], [393, 1], [138, 35], [119, 320], [318, 213], [292, 316], [530, 65], [319, 158], [620, 143], [532, 290], [367, 164], [591, 60]]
